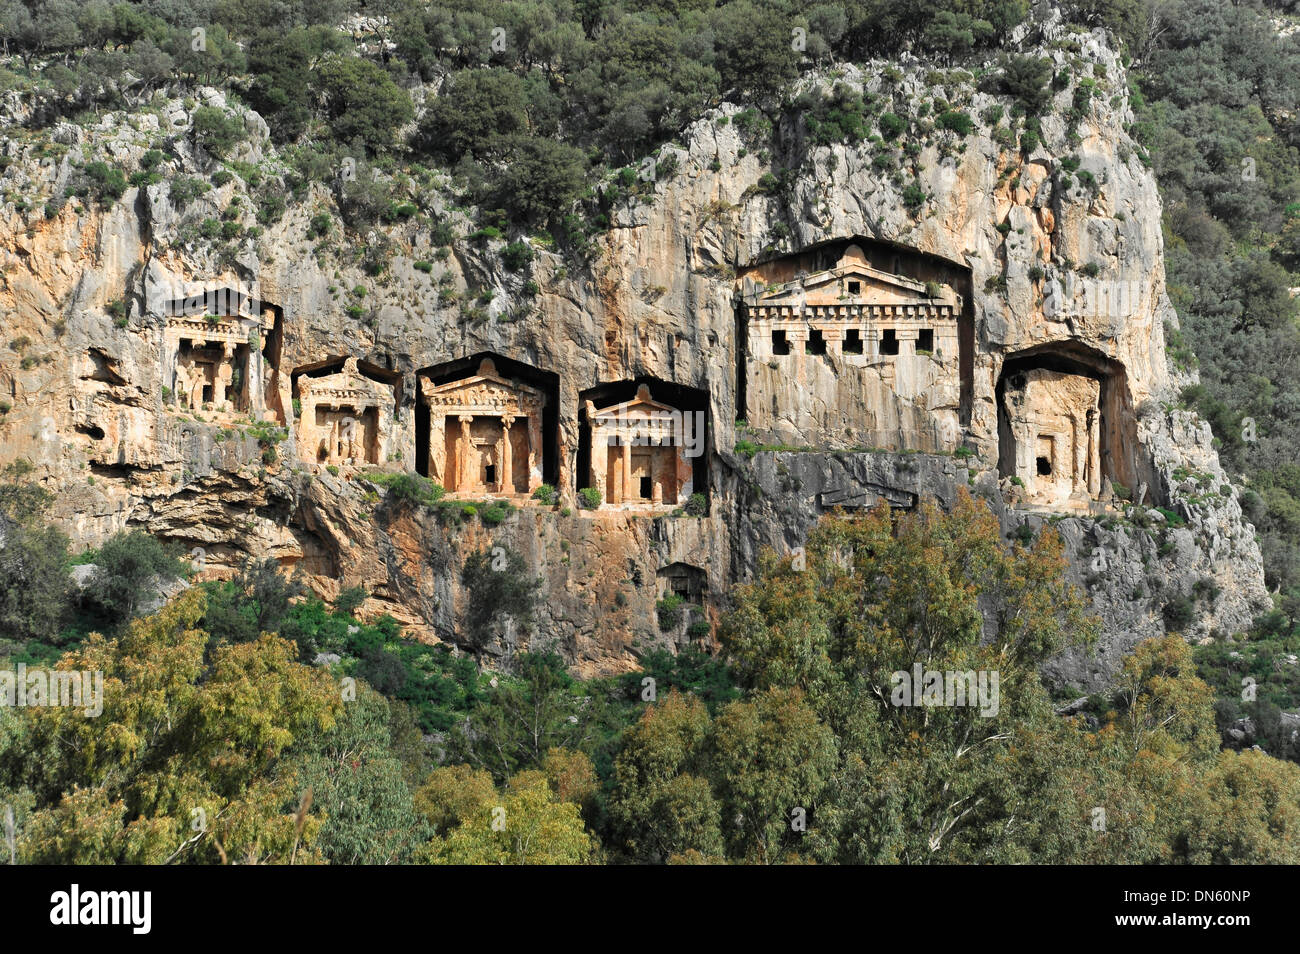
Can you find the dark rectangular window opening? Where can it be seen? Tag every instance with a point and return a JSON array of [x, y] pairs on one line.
[[645, 488], [855, 288], [490, 474], [853, 341], [779, 344], [925, 340], [889, 342], [816, 343]]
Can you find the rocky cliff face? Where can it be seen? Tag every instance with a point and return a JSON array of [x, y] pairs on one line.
[[1062, 257]]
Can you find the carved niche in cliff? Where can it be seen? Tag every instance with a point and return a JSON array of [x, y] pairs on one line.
[[345, 418], [690, 585], [642, 451], [850, 353], [212, 352], [1065, 426], [683, 580], [1054, 420], [485, 433]]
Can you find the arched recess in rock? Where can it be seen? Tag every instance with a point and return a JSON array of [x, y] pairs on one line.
[[1065, 415]]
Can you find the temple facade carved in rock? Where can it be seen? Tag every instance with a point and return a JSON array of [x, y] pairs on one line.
[[1054, 421], [853, 354], [345, 418], [859, 313], [640, 452], [485, 433], [212, 352]]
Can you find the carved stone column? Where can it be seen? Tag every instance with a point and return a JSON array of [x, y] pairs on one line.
[[1094, 454], [759, 337], [221, 375], [628, 492], [1078, 455], [462, 454], [657, 477], [833, 335], [507, 480], [599, 461], [1026, 439], [437, 462], [535, 449]]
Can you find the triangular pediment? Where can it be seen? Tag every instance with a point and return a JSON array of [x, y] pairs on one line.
[[225, 302], [640, 406], [855, 283], [357, 382], [485, 382], [836, 286], [481, 383]]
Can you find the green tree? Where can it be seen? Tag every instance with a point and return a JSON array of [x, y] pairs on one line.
[[283, 65], [498, 585], [362, 103], [252, 602], [477, 114], [216, 131], [358, 787], [35, 586], [541, 181], [771, 758], [130, 568], [526, 825], [662, 804], [183, 738], [526, 715]]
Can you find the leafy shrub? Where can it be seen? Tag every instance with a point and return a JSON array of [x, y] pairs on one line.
[[215, 131], [185, 189], [547, 495], [669, 611], [589, 498], [1172, 517], [957, 121], [320, 225], [891, 125], [496, 512], [516, 256], [407, 488], [103, 182], [1178, 613]]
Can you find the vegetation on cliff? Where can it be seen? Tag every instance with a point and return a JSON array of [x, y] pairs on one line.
[[218, 743]]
